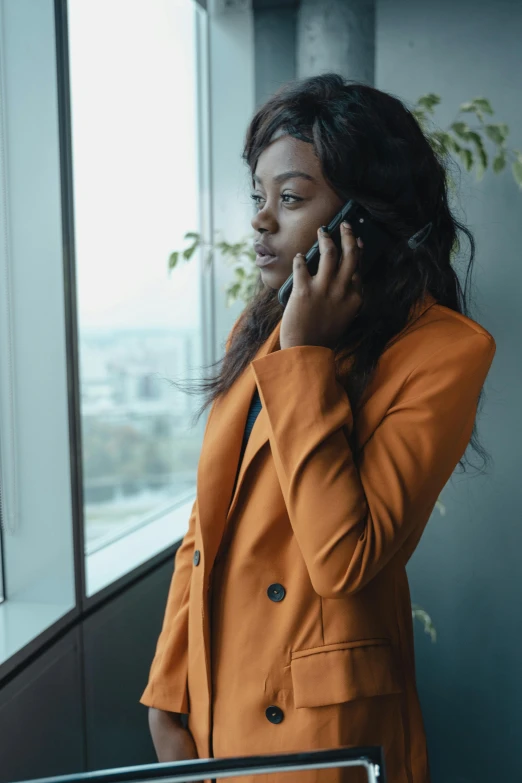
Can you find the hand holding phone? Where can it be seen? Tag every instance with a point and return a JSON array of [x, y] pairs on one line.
[[376, 239]]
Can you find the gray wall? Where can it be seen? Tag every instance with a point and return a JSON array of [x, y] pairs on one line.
[[275, 45], [466, 571]]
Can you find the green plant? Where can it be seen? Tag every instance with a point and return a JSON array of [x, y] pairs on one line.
[[468, 143], [459, 139], [240, 255], [418, 613]]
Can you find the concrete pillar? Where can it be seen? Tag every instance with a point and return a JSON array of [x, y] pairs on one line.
[[275, 23], [336, 35]]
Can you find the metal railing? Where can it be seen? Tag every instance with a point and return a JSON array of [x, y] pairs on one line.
[[371, 758]]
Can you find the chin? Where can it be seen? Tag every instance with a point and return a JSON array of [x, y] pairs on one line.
[[273, 278]]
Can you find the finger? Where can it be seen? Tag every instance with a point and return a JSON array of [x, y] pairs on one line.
[[300, 272], [351, 254], [356, 283], [329, 258], [356, 291]]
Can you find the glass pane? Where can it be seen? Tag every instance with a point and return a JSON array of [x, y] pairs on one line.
[[36, 508], [135, 143], [1, 569]]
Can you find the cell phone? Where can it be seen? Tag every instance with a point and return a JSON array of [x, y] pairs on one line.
[[376, 240]]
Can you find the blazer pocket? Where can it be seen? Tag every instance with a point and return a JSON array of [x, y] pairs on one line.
[[336, 673]]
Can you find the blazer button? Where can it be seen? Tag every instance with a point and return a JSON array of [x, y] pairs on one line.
[[195, 559], [276, 592], [274, 714]]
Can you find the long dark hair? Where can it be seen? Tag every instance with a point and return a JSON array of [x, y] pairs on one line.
[[372, 149]]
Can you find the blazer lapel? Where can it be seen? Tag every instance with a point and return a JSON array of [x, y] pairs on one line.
[[217, 488], [219, 457]]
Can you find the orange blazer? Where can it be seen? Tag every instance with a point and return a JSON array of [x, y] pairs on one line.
[[288, 623]]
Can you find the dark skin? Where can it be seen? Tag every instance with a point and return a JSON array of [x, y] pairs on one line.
[[289, 214], [172, 741]]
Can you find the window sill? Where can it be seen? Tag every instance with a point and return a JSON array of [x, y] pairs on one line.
[[21, 622], [113, 561]]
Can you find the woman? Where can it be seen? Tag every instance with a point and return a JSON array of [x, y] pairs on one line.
[[288, 624]]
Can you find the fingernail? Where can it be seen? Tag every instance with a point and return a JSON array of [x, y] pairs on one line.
[[324, 230], [344, 224]]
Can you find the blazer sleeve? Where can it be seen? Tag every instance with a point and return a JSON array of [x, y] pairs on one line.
[[350, 522], [167, 685]]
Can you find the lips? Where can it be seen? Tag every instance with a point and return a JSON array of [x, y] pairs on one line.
[[264, 255], [263, 250]]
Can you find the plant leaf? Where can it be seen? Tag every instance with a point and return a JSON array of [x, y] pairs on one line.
[[189, 252], [479, 106], [482, 162], [497, 132], [516, 168], [420, 116], [452, 144], [483, 104], [467, 158], [499, 161], [444, 142], [173, 259], [462, 130], [192, 235], [418, 613], [428, 101]]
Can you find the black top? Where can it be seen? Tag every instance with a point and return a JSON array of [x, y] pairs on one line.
[[255, 407]]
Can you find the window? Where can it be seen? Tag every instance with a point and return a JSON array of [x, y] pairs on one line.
[[35, 479], [135, 169], [2, 589]]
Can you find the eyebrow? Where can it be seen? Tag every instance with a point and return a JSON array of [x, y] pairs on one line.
[[288, 175]]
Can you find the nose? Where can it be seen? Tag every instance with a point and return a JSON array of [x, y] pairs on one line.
[[264, 220]]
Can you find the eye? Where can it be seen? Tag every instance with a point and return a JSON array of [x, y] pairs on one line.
[[256, 198]]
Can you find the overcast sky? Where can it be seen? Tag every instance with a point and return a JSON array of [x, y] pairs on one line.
[[134, 159]]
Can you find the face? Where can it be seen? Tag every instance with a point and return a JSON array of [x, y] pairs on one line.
[[289, 207]]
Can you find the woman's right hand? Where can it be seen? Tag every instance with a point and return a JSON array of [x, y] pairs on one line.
[[172, 741]]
